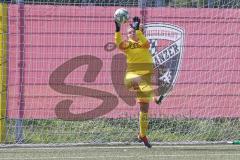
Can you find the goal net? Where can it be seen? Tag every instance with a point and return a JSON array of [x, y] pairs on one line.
[[64, 75]]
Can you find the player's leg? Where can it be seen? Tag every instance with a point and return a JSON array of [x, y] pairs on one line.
[[143, 124], [144, 97], [158, 99], [131, 81], [135, 82], [163, 84], [142, 86], [143, 118]]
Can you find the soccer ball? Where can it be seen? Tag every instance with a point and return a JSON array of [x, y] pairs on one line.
[[121, 15]]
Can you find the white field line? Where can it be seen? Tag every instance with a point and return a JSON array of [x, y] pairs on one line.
[[97, 157], [33, 147]]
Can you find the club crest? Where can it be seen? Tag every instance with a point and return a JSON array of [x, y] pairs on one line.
[[166, 46]]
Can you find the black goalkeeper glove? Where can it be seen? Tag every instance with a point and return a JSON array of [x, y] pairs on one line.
[[117, 27], [136, 23]]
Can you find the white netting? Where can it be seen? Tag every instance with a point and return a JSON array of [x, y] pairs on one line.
[[65, 76]]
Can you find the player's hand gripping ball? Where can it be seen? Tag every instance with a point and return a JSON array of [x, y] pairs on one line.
[[121, 16]]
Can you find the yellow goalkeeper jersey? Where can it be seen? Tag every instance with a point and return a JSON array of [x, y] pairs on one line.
[[138, 56]]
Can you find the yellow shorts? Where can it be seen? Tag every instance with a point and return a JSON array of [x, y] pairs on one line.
[[145, 90]]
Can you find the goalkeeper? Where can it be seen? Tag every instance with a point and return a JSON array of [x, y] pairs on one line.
[[139, 71]]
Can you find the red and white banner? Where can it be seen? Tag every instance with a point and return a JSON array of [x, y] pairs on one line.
[[69, 68]]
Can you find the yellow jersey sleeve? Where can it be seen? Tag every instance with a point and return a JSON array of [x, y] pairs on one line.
[[141, 37], [118, 38], [121, 44]]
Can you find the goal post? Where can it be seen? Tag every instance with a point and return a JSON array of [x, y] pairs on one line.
[[3, 70]]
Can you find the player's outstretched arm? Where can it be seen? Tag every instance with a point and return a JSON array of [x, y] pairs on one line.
[[118, 37], [140, 35], [117, 26]]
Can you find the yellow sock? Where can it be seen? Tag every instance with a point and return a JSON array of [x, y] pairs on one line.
[[143, 122]]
